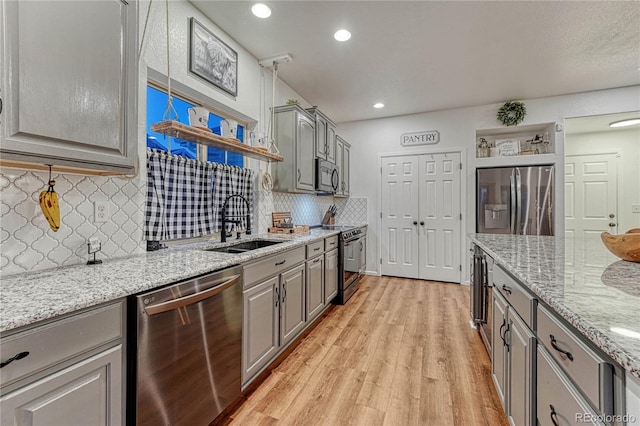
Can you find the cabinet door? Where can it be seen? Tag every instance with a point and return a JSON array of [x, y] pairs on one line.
[[305, 165], [70, 78], [339, 154], [321, 137], [498, 348], [86, 393], [331, 143], [260, 326], [315, 287], [521, 380], [330, 275], [292, 309], [345, 169]]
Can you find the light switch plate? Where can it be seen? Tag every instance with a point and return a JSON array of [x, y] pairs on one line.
[[635, 208], [100, 211]]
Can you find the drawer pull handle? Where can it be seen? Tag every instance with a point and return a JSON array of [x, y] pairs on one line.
[[316, 249], [281, 263], [14, 358], [553, 415], [555, 346], [506, 289]]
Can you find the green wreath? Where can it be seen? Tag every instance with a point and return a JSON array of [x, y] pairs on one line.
[[511, 113]]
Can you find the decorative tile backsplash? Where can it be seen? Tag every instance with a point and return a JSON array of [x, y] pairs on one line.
[[310, 209], [26, 241]]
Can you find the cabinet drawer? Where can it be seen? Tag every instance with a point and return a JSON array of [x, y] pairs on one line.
[[591, 373], [314, 249], [330, 243], [58, 341], [558, 399], [516, 295], [272, 265]]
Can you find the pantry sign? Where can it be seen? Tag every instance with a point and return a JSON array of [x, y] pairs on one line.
[[428, 137]]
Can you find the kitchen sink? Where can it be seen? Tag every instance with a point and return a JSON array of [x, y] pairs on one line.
[[245, 246]]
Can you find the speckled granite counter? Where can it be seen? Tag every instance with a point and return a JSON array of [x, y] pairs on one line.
[[592, 289], [31, 297]]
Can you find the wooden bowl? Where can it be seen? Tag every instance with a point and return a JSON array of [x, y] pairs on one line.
[[626, 246]]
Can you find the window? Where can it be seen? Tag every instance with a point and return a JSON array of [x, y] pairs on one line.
[[156, 106]]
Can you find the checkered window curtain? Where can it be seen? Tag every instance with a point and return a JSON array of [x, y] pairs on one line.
[[232, 180], [185, 197]]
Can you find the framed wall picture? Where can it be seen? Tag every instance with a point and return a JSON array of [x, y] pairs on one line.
[[211, 59]]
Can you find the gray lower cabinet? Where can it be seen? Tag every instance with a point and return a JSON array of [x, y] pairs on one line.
[[512, 362], [499, 354], [274, 314], [71, 371], [522, 346], [315, 287], [260, 332], [86, 393], [69, 85], [330, 275], [292, 318], [559, 402], [295, 137]]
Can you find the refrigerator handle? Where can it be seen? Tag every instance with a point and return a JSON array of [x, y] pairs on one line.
[[518, 202], [512, 186]]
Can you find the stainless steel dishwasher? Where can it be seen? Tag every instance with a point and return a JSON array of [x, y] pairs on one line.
[[185, 347]]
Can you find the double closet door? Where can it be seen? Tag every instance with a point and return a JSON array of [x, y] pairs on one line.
[[421, 216]]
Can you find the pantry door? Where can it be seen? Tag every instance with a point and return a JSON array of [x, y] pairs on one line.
[[440, 217], [590, 190], [399, 203]]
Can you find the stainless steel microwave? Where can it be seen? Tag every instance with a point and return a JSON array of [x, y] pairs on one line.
[[327, 178]]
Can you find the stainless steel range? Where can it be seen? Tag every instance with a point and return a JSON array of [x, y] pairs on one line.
[[352, 259]]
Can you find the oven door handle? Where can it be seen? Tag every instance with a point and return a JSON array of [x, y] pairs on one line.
[[180, 302]]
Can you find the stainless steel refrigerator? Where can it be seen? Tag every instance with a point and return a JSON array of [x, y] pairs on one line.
[[515, 200]]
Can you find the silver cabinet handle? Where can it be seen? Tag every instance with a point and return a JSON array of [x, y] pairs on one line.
[[180, 302]]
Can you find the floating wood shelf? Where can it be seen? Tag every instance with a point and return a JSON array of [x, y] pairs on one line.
[[188, 133]]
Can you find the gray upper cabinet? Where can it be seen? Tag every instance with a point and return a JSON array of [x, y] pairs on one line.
[[69, 84], [343, 151], [325, 136], [295, 136]]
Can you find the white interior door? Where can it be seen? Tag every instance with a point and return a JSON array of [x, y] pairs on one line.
[[590, 194], [399, 197], [440, 220]]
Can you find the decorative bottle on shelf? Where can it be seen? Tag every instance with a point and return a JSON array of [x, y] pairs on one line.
[[545, 143], [483, 148]]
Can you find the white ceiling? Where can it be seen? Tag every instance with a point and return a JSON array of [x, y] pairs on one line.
[[418, 56]]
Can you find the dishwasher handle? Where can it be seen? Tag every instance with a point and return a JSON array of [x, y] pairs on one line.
[[192, 298]]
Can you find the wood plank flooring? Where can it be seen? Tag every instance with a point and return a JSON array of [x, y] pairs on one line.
[[400, 352]]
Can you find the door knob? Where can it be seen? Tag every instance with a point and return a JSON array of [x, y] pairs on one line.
[[611, 215], [415, 222], [612, 224], [422, 222]]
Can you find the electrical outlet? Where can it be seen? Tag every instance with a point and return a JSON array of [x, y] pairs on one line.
[[100, 211], [635, 208]]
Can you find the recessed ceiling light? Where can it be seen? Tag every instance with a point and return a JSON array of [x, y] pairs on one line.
[[378, 105], [625, 123], [342, 35], [261, 10]]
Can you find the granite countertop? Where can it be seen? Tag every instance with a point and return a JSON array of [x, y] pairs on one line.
[[583, 282], [35, 296]]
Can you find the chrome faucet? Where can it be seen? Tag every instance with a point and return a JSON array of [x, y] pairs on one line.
[[225, 218]]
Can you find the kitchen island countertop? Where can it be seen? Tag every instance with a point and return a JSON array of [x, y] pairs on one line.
[[579, 279], [32, 297]]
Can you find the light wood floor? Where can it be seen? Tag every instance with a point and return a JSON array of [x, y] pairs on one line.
[[400, 352]]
